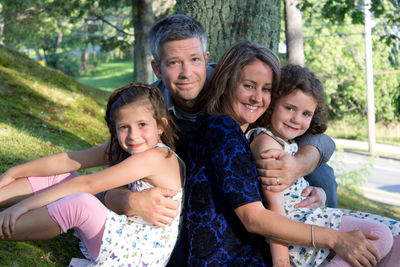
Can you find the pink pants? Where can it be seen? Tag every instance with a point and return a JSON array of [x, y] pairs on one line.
[[383, 244], [84, 212]]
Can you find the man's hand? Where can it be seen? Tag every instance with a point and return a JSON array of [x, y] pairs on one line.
[[153, 205], [316, 197], [273, 164]]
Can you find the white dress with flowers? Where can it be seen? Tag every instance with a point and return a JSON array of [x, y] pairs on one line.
[[321, 216], [131, 241]]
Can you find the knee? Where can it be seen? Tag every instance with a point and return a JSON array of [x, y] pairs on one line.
[[86, 203], [385, 241], [82, 206]]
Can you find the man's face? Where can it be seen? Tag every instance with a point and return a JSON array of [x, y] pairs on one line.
[[183, 70]]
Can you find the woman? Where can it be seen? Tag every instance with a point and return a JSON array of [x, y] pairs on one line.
[[223, 193]]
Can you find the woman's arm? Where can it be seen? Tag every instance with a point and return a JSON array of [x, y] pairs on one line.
[[353, 247], [322, 142], [274, 200], [57, 163]]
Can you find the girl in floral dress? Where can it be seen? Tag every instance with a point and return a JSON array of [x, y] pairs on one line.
[[298, 107], [141, 156]]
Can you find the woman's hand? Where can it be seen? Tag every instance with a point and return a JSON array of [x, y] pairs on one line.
[[8, 219], [355, 248], [6, 179]]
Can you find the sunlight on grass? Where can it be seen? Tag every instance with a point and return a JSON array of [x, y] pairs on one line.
[[358, 131], [109, 76], [14, 141]]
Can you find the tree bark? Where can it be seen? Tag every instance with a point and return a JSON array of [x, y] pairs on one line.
[[143, 19], [1, 25], [86, 49], [294, 33], [60, 36], [229, 21]]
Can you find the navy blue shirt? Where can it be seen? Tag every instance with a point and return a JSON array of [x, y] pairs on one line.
[[221, 176]]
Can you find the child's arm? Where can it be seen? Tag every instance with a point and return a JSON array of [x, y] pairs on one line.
[[133, 168], [273, 200], [57, 163]]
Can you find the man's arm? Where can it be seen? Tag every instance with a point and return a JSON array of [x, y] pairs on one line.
[[275, 163], [314, 151], [153, 205], [323, 143]]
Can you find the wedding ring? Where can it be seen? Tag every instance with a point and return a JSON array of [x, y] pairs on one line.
[[278, 181]]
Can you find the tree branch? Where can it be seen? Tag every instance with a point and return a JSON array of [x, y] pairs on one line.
[[99, 17]]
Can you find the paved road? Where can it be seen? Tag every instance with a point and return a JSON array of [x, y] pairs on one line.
[[384, 183]]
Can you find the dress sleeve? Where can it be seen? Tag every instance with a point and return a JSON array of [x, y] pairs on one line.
[[325, 145], [228, 156]]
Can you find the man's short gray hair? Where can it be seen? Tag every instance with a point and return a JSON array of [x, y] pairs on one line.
[[174, 28]]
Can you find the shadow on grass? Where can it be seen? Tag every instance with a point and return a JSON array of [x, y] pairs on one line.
[[31, 71], [21, 107]]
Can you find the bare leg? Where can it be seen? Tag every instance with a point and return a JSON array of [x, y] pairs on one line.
[[15, 192], [35, 225]]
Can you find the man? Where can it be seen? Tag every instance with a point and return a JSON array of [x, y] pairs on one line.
[[179, 47]]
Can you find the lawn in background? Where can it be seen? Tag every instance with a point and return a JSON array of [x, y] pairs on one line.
[[109, 76]]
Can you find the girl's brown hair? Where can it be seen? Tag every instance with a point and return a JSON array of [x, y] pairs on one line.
[[294, 77], [130, 94]]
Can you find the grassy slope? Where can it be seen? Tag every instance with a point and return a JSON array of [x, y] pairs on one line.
[[42, 112]]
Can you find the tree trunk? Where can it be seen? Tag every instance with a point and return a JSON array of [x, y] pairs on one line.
[[229, 21], [60, 36], [294, 33], [1, 25], [143, 19], [86, 49], [38, 55]]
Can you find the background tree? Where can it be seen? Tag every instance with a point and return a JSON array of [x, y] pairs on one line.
[[227, 22], [1, 25], [143, 19], [334, 49], [294, 33]]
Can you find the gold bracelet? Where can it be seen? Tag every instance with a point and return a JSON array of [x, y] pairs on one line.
[[312, 236]]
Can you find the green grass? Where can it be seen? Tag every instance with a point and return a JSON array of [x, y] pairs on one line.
[[109, 76], [43, 112], [357, 130]]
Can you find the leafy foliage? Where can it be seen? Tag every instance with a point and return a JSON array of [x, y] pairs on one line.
[[335, 52]]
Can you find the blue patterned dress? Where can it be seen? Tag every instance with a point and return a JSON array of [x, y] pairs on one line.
[[221, 177]]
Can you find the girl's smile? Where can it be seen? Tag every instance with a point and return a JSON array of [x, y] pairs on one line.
[[292, 115], [136, 128]]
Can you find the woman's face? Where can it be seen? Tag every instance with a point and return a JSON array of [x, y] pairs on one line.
[[252, 94]]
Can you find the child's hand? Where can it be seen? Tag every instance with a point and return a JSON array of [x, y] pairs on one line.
[[5, 179], [8, 219]]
